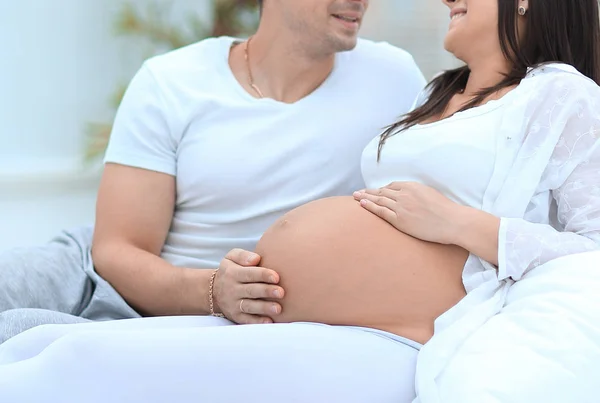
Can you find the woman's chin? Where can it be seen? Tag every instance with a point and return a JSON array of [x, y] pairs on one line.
[[449, 44], [451, 48]]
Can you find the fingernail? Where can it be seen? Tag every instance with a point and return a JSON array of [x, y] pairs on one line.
[[272, 279], [277, 293], [275, 310], [363, 202], [267, 321], [251, 258]]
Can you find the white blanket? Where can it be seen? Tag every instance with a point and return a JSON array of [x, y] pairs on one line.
[[543, 345]]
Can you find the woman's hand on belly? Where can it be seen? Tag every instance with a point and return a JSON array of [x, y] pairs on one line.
[[415, 209], [243, 292]]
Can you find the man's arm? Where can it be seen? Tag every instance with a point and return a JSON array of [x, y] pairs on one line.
[[133, 217]]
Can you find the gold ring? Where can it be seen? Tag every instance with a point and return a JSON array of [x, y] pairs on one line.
[[241, 306]]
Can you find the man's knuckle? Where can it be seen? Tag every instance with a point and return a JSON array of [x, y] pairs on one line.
[[266, 292], [252, 292], [245, 275], [235, 291]]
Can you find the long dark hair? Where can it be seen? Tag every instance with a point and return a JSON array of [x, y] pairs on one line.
[[566, 31]]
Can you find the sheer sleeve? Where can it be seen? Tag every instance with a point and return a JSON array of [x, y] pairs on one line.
[[572, 179]]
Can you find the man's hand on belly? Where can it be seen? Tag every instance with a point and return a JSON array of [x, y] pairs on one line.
[[242, 290]]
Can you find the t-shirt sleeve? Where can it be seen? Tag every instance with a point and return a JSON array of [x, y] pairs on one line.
[[141, 136]]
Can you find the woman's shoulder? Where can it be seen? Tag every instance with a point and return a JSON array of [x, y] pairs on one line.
[[552, 76]]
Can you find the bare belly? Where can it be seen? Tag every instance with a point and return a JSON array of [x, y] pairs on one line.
[[341, 265]]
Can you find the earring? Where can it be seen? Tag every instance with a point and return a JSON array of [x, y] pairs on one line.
[[522, 10]]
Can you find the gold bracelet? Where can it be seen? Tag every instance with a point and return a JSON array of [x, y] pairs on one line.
[[210, 295]]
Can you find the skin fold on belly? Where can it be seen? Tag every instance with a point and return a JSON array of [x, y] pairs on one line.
[[341, 265]]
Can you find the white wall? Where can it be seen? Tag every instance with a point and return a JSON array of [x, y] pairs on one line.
[[60, 64], [419, 26]]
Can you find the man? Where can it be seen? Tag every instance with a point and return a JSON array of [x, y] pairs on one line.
[[213, 143]]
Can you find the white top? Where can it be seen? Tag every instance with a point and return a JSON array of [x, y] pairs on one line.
[[545, 188], [456, 156], [242, 162]]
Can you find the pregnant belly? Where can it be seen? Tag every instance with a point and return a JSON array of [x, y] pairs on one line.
[[341, 265]]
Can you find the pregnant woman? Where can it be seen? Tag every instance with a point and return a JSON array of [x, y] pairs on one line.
[[495, 172]]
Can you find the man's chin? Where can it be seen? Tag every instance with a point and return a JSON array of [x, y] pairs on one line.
[[337, 43], [346, 44]]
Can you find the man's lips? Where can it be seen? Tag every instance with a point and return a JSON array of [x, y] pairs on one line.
[[348, 17]]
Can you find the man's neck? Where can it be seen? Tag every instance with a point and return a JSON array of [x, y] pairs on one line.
[[282, 67]]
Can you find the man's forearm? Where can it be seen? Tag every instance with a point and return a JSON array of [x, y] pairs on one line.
[[150, 284]]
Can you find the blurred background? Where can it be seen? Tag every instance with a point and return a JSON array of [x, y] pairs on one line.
[[65, 64]]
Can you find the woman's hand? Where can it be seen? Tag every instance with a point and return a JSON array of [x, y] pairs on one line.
[[242, 290], [415, 209]]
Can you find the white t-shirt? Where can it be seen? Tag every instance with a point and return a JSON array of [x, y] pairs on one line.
[[241, 162], [456, 155]]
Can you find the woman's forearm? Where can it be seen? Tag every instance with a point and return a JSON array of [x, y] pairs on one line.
[[477, 232], [151, 285]]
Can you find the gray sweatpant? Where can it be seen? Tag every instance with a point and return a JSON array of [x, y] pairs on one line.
[[55, 283]]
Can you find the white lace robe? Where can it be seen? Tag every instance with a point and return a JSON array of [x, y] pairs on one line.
[[546, 184]]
